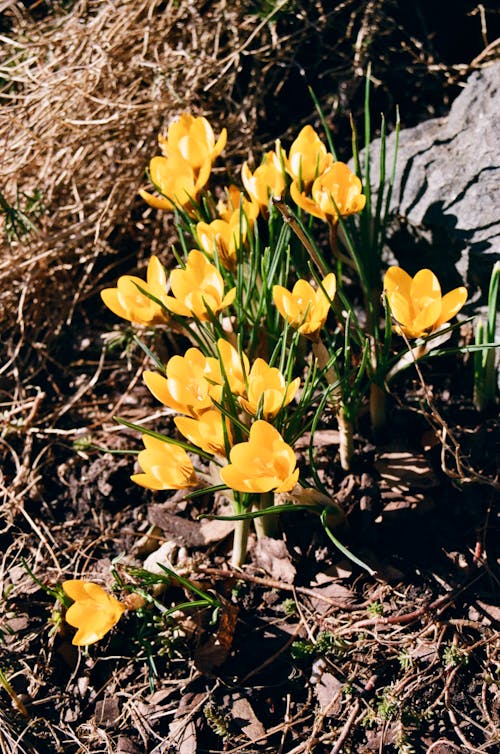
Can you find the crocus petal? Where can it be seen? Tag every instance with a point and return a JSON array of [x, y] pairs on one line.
[[427, 317], [220, 144], [451, 303], [425, 285], [148, 481], [157, 202], [75, 589], [112, 300], [396, 279], [177, 307], [305, 202]]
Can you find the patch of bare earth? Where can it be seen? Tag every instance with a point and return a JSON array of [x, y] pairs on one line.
[[309, 653]]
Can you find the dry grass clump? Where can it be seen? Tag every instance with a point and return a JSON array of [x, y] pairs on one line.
[[83, 97]]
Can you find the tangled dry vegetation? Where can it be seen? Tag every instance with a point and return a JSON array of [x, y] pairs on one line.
[[84, 91]]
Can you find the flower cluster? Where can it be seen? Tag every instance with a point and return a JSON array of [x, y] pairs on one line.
[[197, 387], [215, 389], [263, 359]]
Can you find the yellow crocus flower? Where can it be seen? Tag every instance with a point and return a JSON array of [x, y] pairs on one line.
[[262, 464], [233, 366], [185, 388], [194, 139], [188, 152], [267, 387], [127, 301], [305, 308], [235, 200], [198, 289], [94, 612], [308, 157], [177, 182], [165, 466], [222, 237], [228, 233], [267, 180], [336, 191], [417, 304], [206, 432]]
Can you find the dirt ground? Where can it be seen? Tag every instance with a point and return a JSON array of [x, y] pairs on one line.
[[309, 654]]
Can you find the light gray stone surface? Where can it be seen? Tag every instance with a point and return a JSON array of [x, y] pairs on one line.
[[445, 208]]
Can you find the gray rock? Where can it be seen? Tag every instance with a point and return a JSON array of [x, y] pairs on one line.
[[446, 197]]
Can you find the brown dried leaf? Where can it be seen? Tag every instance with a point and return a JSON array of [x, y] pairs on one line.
[[322, 438], [272, 556], [182, 734], [186, 532], [125, 745], [444, 746], [107, 712], [491, 611], [214, 531], [327, 688], [325, 586], [214, 651], [180, 530], [246, 718]]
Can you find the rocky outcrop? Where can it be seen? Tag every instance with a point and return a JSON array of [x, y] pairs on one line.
[[445, 208]]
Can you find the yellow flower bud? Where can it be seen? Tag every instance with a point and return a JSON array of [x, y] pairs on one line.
[[166, 466], [305, 308], [267, 180], [308, 157]]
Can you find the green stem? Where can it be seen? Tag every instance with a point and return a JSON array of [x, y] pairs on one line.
[[378, 402], [346, 444], [240, 543], [266, 526], [346, 447]]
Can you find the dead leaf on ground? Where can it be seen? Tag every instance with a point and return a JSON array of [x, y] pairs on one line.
[[107, 712], [322, 438], [186, 532], [492, 612], [182, 734], [125, 745], [247, 720], [444, 746], [326, 586], [272, 556], [213, 652]]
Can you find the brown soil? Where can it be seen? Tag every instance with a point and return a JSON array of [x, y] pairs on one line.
[[309, 653]]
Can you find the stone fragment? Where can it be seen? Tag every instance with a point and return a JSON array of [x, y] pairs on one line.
[[444, 211]]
